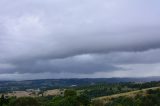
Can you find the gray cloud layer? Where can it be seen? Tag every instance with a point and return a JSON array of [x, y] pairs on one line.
[[83, 36]]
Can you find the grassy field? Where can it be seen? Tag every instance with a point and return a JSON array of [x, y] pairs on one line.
[[106, 99], [53, 92]]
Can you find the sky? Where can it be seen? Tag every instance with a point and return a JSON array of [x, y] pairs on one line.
[[41, 39]]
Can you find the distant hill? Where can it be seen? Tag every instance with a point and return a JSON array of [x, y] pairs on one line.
[[58, 83]]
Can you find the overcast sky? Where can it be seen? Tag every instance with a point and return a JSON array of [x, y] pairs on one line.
[[79, 38]]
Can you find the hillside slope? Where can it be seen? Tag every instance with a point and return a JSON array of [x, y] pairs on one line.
[[106, 99]]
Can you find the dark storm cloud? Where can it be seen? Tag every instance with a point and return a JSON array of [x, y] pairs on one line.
[[48, 36], [69, 65]]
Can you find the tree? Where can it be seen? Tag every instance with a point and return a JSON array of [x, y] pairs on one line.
[[24, 101], [84, 100], [70, 93], [2, 100]]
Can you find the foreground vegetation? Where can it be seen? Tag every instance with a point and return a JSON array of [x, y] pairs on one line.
[[114, 94], [70, 98]]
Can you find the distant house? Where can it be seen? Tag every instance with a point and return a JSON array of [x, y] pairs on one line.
[[73, 85], [33, 90]]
